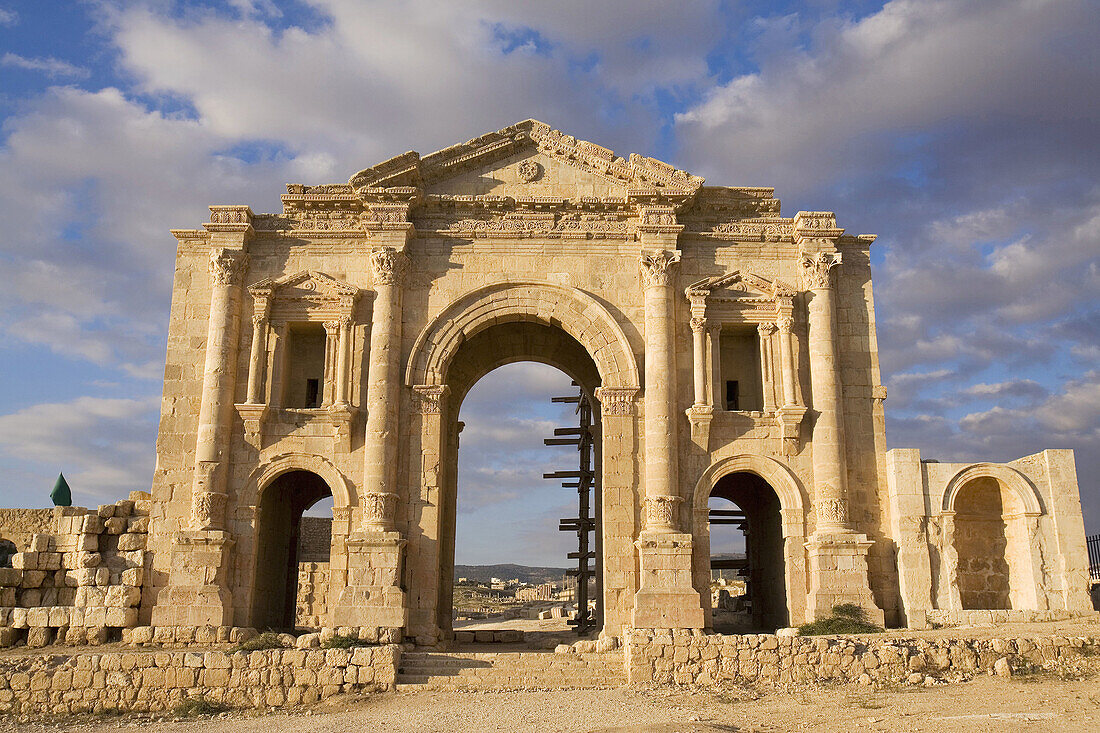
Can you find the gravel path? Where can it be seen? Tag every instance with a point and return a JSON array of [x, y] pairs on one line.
[[1037, 703]]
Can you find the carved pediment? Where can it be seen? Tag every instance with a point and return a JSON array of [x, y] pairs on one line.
[[528, 160], [304, 294], [739, 284]]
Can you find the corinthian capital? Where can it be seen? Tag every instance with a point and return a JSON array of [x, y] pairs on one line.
[[227, 266], [816, 267], [388, 265], [657, 267]]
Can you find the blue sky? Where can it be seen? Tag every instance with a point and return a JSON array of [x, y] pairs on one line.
[[963, 134]]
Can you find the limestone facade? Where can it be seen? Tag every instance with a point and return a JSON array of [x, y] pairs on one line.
[[326, 349]]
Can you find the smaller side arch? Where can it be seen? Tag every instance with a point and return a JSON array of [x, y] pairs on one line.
[[343, 492], [781, 479], [1005, 475]]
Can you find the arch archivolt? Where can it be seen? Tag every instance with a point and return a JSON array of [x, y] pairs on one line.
[[1007, 476], [575, 312], [343, 492], [792, 500]]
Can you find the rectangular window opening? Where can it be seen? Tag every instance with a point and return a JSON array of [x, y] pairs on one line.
[[733, 402], [313, 393]]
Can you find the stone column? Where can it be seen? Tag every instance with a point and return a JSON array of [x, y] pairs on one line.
[[661, 497], [767, 369], [256, 358], [699, 359], [714, 349], [830, 466], [838, 554], [786, 359], [208, 490], [373, 597], [383, 383], [666, 598], [343, 344]]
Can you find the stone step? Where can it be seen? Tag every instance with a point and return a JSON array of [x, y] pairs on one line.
[[510, 670]]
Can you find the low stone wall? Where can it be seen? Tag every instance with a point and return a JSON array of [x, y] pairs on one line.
[[684, 658], [159, 680]]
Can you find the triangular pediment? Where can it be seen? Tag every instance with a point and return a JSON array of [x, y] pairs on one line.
[[528, 160], [740, 284], [307, 284]]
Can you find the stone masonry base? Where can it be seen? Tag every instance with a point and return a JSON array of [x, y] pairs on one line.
[[686, 658], [158, 680]]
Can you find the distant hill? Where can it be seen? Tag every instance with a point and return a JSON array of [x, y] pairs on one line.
[[523, 573]]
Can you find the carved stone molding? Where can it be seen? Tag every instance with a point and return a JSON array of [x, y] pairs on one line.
[[207, 509], [253, 417], [817, 268], [388, 266], [227, 266], [784, 323], [617, 400], [657, 267], [765, 330], [698, 324], [833, 511], [430, 397], [660, 513], [700, 418], [378, 510]]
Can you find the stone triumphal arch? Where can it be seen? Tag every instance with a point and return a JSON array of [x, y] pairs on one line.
[[730, 350]]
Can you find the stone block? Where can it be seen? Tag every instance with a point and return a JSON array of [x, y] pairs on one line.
[[131, 541], [114, 525], [39, 636], [39, 543], [106, 511]]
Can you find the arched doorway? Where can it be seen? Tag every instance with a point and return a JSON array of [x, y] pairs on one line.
[[487, 328], [765, 497], [991, 543], [490, 349], [747, 502], [279, 546]]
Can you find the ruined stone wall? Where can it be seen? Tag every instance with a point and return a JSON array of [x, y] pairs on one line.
[[159, 680], [683, 658], [17, 525], [312, 607], [80, 581]]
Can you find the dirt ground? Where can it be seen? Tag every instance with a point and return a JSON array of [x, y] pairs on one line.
[[1038, 702]]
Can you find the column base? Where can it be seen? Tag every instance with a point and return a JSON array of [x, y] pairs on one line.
[[197, 593], [666, 598], [373, 596], [838, 574]]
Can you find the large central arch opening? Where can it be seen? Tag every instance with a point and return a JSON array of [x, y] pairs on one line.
[[497, 509]]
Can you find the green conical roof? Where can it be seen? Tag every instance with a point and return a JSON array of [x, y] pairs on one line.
[[61, 494]]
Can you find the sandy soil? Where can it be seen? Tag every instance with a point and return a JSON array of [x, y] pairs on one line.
[[1039, 702]]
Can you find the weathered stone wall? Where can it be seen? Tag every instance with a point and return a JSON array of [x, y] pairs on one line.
[[159, 680], [312, 606], [17, 525], [683, 658], [314, 539], [80, 580]]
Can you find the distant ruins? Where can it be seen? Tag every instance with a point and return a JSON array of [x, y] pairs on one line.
[[729, 352]]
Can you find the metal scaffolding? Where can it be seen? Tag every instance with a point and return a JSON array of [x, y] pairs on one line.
[[585, 523]]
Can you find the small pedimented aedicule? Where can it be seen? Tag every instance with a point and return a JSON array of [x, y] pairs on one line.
[[299, 367], [746, 319]]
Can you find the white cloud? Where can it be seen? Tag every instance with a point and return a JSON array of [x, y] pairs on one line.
[[8, 18], [49, 66], [104, 447]]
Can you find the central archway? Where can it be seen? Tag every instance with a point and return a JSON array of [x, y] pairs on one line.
[[488, 328]]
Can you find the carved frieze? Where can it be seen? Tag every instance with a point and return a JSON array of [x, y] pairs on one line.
[[429, 398], [617, 400]]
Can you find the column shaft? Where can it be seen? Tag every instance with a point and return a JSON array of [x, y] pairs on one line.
[[380, 465], [216, 406], [786, 358], [767, 370], [699, 360], [660, 390], [256, 360], [342, 377]]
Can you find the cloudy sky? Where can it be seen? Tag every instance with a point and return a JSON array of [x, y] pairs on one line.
[[962, 133]]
